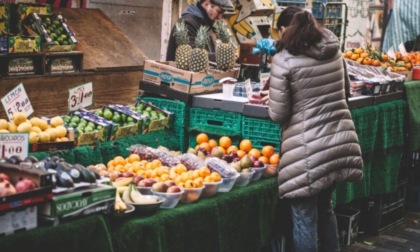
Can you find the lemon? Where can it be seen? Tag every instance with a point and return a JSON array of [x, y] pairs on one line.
[[44, 137], [56, 121], [33, 137], [19, 118], [64, 139], [24, 127], [61, 131], [35, 129], [43, 124], [58, 139], [4, 124], [4, 131], [53, 133], [35, 121], [12, 127]]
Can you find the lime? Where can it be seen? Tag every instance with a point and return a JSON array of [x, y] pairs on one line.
[[75, 119], [107, 114]]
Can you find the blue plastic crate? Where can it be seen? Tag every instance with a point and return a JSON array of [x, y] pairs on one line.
[[261, 132], [178, 108]]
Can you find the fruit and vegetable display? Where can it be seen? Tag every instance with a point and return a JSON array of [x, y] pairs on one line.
[[374, 57], [41, 130]]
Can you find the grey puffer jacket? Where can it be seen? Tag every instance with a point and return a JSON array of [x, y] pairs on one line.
[[319, 143]]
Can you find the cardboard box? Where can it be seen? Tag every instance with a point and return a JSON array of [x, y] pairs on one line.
[[78, 203], [166, 74], [102, 135], [139, 126], [156, 122], [348, 224], [251, 29], [216, 101], [18, 220], [24, 44], [255, 8], [15, 172]]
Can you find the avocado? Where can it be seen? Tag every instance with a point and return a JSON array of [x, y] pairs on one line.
[[87, 175], [74, 173], [63, 179]]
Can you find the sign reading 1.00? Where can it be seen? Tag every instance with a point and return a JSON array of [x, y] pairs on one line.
[[14, 144], [17, 101], [80, 96]]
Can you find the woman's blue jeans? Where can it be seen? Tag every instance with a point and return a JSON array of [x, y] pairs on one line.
[[313, 218]]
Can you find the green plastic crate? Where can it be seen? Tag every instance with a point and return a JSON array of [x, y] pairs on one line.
[[225, 121], [181, 136], [236, 137], [261, 132], [178, 108]]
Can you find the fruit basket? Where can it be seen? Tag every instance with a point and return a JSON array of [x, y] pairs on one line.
[[244, 178], [191, 195]]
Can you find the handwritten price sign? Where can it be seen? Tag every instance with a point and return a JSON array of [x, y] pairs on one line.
[[80, 96], [17, 101], [14, 144]]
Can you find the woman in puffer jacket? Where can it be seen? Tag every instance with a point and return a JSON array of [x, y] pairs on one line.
[[319, 143]]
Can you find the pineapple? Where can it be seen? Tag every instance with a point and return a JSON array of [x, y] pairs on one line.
[[183, 50], [199, 57], [225, 53]]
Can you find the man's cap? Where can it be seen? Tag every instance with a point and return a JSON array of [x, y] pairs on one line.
[[225, 5]]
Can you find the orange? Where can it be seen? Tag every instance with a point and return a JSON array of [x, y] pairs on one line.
[[264, 159], [367, 61], [241, 153], [376, 63], [358, 50], [231, 148], [202, 138], [156, 163], [364, 55], [225, 142], [275, 158], [215, 176], [206, 146], [118, 160], [348, 54], [267, 151], [133, 157], [385, 57], [204, 171], [254, 152], [245, 145], [212, 143]]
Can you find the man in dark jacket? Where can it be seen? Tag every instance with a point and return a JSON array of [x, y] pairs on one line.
[[205, 12]]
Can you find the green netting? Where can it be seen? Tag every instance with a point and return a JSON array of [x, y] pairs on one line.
[[347, 192], [68, 155], [385, 169], [87, 155], [39, 155], [391, 125], [108, 151], [366, 122], [412, 89]]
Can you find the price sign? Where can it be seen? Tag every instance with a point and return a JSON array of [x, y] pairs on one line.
[[80, 96], [17, 101], [248, 88], [14, 144]]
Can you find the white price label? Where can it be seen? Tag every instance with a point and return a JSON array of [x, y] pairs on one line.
[[14, 144], [17, 101], [248, 88], [80, 97]]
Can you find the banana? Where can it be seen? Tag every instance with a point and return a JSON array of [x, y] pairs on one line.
[[138, 198], [121, 189], [119, 206], [126, 195], [123, 181]]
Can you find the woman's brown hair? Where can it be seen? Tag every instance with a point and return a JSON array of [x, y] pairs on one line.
[[302, 33]]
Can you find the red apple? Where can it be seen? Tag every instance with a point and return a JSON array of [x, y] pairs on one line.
[[24, 185], [137, 179], [159, 187], [169, 183], [173, 189], [4, 176]]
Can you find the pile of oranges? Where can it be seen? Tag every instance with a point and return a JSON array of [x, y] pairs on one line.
[[267, 154], [376, 58]]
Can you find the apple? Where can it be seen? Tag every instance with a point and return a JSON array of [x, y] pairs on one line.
[[147, 182], [159, 187], [128, 174], [258, 163], [169, 183], [253, 158], [173, 189], [246, 170], [227, 158], [4, 176], [233, 154], [137, 179], [237, 159], [24, 185]]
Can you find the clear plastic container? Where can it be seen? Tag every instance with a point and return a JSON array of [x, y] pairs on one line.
[[211, 188], [258, 172], [171, 199], [244, 178], [191, 195], [227, 183]]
